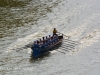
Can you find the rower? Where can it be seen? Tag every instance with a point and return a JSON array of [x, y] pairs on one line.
[[51, 41], [40, 40], [43, 39], [36, 45], [49, 36], [46, 37], [43, 45], [55, 39], [46, 43]]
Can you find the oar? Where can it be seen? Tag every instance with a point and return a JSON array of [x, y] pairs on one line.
[[60, 51], [68, 44], [64, 49], [67, 47], [64, 35], [71, 43], [67, 40], [25, 47]]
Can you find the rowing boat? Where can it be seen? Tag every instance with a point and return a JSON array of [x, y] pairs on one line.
[[42, 51]]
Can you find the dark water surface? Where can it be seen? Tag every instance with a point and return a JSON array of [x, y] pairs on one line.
[[10, 12], [18, 13]]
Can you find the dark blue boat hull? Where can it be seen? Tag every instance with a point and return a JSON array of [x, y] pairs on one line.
[[37, 52]]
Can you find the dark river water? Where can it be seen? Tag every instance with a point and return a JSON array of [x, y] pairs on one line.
[[17, 13]]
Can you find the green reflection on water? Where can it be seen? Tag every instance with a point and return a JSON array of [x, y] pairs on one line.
[[14, 16], [13, 3], [10, 18]]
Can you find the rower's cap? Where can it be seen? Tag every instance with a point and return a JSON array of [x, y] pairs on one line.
[[49, 35]]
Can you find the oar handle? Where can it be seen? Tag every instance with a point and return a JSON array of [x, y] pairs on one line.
[[63, 34]]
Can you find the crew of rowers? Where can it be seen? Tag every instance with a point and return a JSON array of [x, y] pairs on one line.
[[46, 41]]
